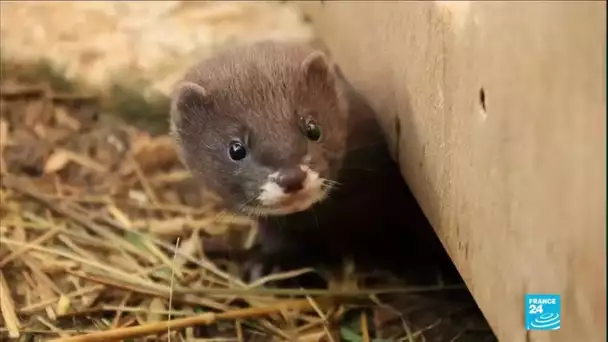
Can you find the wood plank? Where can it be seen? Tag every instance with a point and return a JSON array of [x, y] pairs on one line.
[[516, 191]]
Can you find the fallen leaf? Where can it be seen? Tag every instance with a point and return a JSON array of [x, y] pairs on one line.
[[63, 118], [315, 336], [40, 130], [188, 248], [57, 161], [349, 335], [138, 196], [63, 305], [4, 138], [86, 162], [154, 153], [156, 306], [215, 228], [120, 216], [171, 227]]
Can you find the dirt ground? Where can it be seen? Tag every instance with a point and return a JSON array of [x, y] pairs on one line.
[[102, 229]]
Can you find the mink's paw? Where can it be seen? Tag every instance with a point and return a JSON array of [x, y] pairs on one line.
[[258, 269], [255, 270], [279, 251]]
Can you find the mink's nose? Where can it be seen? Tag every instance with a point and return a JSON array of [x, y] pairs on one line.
[[291, 180]]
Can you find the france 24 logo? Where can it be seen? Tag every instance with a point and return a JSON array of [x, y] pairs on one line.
[[543, 312]]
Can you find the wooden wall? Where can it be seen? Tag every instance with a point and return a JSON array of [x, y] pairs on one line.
[[501, 111]]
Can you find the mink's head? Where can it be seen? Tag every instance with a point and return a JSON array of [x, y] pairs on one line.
[[263, 126]]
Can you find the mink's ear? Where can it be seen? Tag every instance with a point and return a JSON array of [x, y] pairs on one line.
[[188, 98], [317, 66]]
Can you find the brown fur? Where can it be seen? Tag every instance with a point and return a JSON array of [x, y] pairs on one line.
[[256, 93]]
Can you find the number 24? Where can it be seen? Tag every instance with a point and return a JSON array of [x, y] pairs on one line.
[[536, 309]]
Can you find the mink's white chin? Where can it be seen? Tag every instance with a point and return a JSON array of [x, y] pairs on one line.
[[284, 209], [273, 200]]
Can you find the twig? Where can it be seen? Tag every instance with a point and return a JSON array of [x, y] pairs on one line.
[[120, 310], [364, 327], [84, 161], [323, 317], [239, 330], [280, 276], [159, 290], [143, 180], [7, 307], [421, 331], [172, 208], [46, 236], [84, 261], [171, 289], [47, 332], [125, 221], [150, 288], [321, 292], [17, 184], [204, 319], [41, 305], [202, 262], [52, 327], [153, 292]]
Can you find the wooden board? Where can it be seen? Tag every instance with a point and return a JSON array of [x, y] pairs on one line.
[[497, 112]]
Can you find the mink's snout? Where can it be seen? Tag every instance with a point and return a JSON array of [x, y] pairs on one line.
[[292, 179]]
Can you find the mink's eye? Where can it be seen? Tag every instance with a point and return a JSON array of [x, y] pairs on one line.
[[237, 151], [313, 131]]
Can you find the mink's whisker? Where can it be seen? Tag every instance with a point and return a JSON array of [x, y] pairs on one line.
[[329, 185], [330, 182], [358, 168], [249, 211]]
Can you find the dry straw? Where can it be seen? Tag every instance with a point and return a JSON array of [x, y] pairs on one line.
[[90, 211]]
